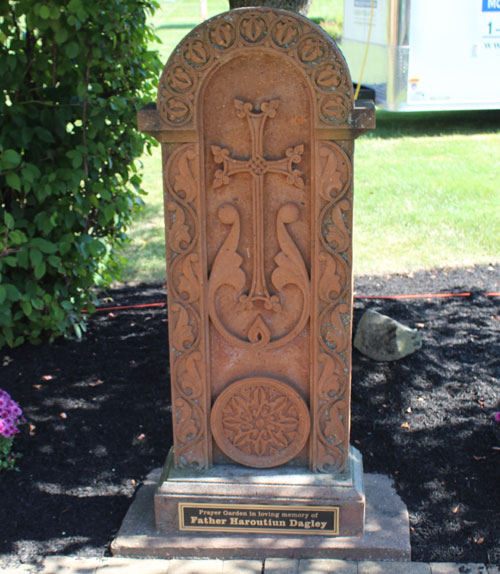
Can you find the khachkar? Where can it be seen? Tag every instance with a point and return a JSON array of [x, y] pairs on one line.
[[256, 119]]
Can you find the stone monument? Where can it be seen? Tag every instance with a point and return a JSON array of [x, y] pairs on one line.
[[257, 122]]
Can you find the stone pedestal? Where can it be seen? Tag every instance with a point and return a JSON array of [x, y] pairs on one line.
[[285, 501], [257, 123], [386, 533]]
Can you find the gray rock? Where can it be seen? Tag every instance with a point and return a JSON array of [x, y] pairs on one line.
[[384, 339]]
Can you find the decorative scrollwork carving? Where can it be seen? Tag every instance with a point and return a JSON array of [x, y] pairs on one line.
[[334, 169], [189, 380], [331, 394], [179, 235], [188, 286], [332, 376], [337, 233], [183, 336], [189, 431], [189, 392], [185, 179], [334, 332], [331, 409], [332, 281], [331, 418]]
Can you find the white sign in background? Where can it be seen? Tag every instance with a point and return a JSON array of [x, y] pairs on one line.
[[453, 48], [454, 51]]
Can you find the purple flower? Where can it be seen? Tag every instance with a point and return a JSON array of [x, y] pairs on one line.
[[10, 415], [497, 417]]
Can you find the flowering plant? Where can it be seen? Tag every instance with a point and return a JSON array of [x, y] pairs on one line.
[[11, 416]]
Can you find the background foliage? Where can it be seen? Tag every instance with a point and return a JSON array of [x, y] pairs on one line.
[[72, 75]]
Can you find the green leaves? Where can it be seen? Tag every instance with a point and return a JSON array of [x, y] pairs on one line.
[[40, 270], [44, 12], [74, 74], [9, 159], [14, 181], [72, 50], [44, 245], [76, 158], [8, 220]]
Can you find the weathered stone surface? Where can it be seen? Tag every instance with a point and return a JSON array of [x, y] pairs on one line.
[[20, 569], [291, 487], [214, 567], [383, 339], [281, 566], [70, 565], [386, 537], [371, 567], [456, 568], [257, 122], [256, 117], [127, 566], [318, 565]]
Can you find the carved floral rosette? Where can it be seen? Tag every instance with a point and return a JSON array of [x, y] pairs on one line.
[[186, 333], [330, 393], [260, 29], [260, 422]]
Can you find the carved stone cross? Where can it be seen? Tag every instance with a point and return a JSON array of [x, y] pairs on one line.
[[258, 215], [257, 165]]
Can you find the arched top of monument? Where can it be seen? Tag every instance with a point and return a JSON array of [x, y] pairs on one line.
[[219, 39]]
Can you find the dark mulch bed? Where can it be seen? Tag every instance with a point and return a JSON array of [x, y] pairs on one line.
[[99, 420]]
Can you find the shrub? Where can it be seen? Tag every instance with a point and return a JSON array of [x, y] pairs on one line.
[[73, 73]]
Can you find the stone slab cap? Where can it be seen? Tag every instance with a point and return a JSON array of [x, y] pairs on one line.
[[384, 339]]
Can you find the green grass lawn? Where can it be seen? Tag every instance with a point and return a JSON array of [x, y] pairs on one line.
[[427, 187]]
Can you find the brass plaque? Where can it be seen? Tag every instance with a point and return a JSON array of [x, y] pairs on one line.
[[322, 520]]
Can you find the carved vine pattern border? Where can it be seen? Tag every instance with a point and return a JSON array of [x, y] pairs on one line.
[[331, 365], [187, 345], [294, 36]]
